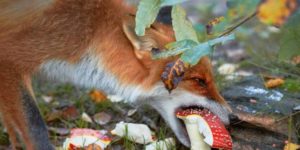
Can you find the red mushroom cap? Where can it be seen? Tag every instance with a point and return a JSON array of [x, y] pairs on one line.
[[211, 127]]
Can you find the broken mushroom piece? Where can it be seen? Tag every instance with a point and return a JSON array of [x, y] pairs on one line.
[[191, 123], [138, 133], [86, 139], [205, 129]]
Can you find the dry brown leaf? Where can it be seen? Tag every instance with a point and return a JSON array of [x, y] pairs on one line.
[[89, 147], [296, 60], [173, 74], [263, 121], [291, 146], [68, 113], [97, 96], [212, 23], [275, 12], [102, 118], [272, 83]]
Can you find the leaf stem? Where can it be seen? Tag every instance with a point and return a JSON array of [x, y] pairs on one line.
[[239, 24]]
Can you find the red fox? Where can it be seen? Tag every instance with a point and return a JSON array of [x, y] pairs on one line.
[[90, 43]]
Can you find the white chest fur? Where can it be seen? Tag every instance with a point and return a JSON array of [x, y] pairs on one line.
[[90, 73]]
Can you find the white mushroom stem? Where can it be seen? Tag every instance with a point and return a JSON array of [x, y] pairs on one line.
[[196, 138]]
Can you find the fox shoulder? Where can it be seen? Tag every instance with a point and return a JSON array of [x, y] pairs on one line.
[[14, 13]]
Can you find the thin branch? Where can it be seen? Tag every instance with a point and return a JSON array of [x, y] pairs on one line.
[[239, 24]]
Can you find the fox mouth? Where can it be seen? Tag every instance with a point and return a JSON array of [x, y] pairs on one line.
[[184, 139], [168, 106], [182, 126], [181, 108]]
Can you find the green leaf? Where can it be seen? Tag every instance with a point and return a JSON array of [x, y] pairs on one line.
[[221, 40], [175, 48], [184, 43], [201, 32], [218, 28], [290, 39], [194, 55], [171, 2], [182, 27], [146, 15], [291, 85]]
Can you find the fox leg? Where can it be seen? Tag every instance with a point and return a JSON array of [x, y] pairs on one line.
[[11, 132], [37, 127], [20, 113]]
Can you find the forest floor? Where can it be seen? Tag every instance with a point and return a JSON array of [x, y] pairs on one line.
[[267, 118]]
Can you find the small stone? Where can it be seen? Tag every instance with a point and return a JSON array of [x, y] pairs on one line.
[[47, 99], [102, 118], [297, 108], [59, 131], [227, 69], [86, 117], [70, 113], [253, 101], [115, 98], [165, 144], [131, 112]]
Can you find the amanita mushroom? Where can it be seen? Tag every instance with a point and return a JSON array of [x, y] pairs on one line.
[[205, 129]]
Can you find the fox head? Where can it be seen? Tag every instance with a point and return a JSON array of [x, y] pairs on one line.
[[197, 89], [119, 62]]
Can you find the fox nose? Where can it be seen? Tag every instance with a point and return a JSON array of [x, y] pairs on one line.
[[233, 118]]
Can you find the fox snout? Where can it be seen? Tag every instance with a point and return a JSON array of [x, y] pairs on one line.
[[168, 104]]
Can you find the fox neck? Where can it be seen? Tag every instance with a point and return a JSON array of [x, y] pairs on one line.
[[90, 72]]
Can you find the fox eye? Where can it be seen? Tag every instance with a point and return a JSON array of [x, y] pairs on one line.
[[155, 50], [200, 82]]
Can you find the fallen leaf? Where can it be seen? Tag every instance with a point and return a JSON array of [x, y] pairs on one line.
[[93, 147], [89, 147], [102, 118], [227, 69], [86, 139], [263, 121], [296, 60], [276, 12], [212, 23], [67, 113], [131, 112], [86, 117], [291, 146], [253, 101], [47, 99], [272, 83], [60, 131], [115, 98], [97, 96], [165, 144], [70, 113], [173, 74]]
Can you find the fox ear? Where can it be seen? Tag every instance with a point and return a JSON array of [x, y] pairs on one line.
[[128, 28], [142, 44]]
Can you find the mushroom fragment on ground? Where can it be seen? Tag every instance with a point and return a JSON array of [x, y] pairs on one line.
[[165, 144], [86, 139], [138, 133], [205, 129]]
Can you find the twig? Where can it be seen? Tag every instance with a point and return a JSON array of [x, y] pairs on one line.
[[291, 115], [239, 24]]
